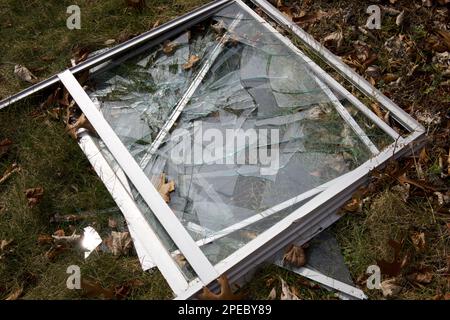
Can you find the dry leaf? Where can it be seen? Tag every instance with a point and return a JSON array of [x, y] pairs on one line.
[[9, 172], [400, 18], [295, 256], [44, 239], [286, 292], [169, 47], [15, 294], [273, 294], [354, 205], [393, 268], [4, 244], [93, 289], [5, 144], [336, 37], [119, 243], [164, 188], [219, 27], [59, 233], [402, 190], [34, 196], [55, 251], [24, 74], [445, 35], [311, 17], [390, 287], [136, 4], [110, 42], [193, 59], [421, 277], [225, 291], [82, 122], [57, 218], [418, 240]]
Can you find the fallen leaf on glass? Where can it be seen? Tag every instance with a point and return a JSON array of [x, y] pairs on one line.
[[219, 27], [193, 59], [225, 291], [165, 188], [295, 256], [169, 47], [24, 74], [34, 196], [286, 292]]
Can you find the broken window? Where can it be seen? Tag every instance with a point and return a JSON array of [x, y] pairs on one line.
[[221, 141]]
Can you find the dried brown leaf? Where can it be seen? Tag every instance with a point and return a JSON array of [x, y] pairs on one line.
[[15, 294], [44, 239], [136, 4], [93, 289], [5, 144], [24, 74], [81, 123], [295, 256], [273, 294], [225, 291], [421, 277], [165, 188], [4, 244], [34, 196], [112, 223], [55, 251], [119, 243], [286, 292], [395, 267], [390, 287], [169, 47], [418, 240], [193, 60], [445, 35]]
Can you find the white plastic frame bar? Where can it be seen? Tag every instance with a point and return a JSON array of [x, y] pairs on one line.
[[150, 250], [327, 281], [160, 209]]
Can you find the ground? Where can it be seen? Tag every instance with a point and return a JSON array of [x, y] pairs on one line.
[[411, 68]]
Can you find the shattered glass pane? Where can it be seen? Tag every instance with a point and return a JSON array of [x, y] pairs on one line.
[[236, 119]]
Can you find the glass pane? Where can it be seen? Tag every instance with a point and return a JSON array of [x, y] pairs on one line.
[[251, 128]]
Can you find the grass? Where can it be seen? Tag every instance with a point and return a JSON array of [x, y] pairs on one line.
[[36, 36]]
